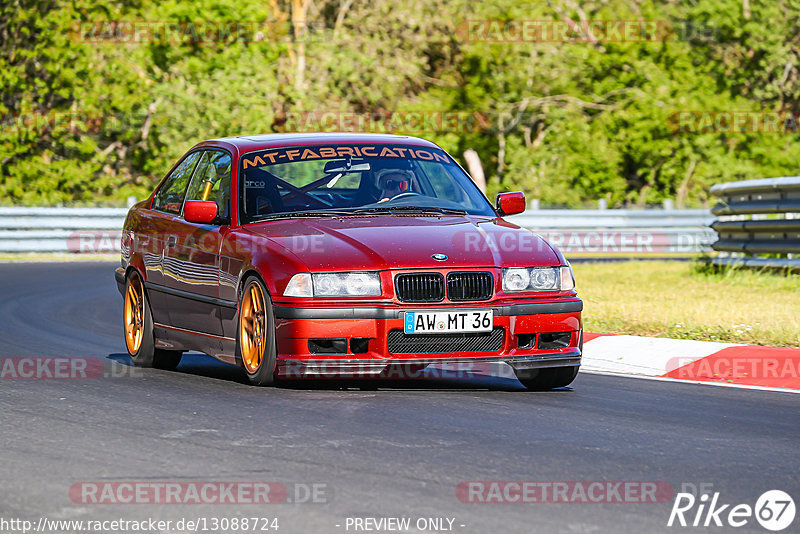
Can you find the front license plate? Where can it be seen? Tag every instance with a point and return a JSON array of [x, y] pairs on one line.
[[448, 321]]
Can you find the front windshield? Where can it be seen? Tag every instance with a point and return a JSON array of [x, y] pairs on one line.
[[351, 179]]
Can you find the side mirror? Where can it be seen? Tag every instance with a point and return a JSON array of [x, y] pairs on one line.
[[200, 211], [511, 203]]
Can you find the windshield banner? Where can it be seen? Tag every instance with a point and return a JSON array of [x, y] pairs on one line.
[[284, 155]]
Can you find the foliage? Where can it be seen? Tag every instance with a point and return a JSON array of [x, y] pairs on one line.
[[93, 121]]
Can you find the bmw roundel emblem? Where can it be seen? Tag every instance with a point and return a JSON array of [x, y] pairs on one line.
[[439, 257]]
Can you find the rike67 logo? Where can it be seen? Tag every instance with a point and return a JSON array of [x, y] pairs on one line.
[[774, 510]]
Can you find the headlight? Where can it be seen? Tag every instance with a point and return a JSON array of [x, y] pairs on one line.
[[538, 279], [516, 279], [334, 285]]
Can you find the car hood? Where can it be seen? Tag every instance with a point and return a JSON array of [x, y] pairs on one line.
[[378, 242]]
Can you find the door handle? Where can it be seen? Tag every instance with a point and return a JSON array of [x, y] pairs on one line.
[[172, 241]]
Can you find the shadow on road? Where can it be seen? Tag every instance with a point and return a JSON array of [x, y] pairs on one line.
[[433, 378]]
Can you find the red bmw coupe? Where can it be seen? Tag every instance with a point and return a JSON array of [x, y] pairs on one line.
[[331, 255]]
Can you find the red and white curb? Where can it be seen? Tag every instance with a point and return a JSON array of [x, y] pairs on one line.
[[728, 364]]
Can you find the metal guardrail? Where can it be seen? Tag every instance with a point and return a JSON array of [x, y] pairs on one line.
[[70, 230], [622, 231], [758, 217], [97, 230]]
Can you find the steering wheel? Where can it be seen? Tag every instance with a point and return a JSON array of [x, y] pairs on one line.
[[408, 193]]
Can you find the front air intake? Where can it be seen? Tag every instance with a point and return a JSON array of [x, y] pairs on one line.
[[400, 343], [419, 287], [469, 286]]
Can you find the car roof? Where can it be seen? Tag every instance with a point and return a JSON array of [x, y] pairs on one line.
[[247, 143]]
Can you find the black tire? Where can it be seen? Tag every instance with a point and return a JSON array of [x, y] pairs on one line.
[[147, 355], [547, 378], [550, 377], [264, 373]]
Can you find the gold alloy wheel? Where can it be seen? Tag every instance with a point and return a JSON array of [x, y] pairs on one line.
[[134, 315], [252, 327]]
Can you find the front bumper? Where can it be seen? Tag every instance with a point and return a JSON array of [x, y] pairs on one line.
[[119, 276], [295, 327], [412, 367]]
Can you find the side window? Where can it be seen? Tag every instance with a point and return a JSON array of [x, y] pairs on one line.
[[170, 197], [212, 181]]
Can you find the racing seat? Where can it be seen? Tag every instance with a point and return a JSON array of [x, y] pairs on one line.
[[262, 201]]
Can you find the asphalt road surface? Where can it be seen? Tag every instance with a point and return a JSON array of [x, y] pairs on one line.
[[400, 450]]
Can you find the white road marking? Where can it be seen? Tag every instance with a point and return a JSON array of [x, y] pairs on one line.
[[648, 356], [697, 382]]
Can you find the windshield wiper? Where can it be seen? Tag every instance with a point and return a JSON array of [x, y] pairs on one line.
[[411, 209], [302, 214], [350, 212]]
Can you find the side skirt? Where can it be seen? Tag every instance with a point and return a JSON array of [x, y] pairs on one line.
[[173, 338]]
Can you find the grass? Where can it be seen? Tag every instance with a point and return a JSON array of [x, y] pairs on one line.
[[682, 300]]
